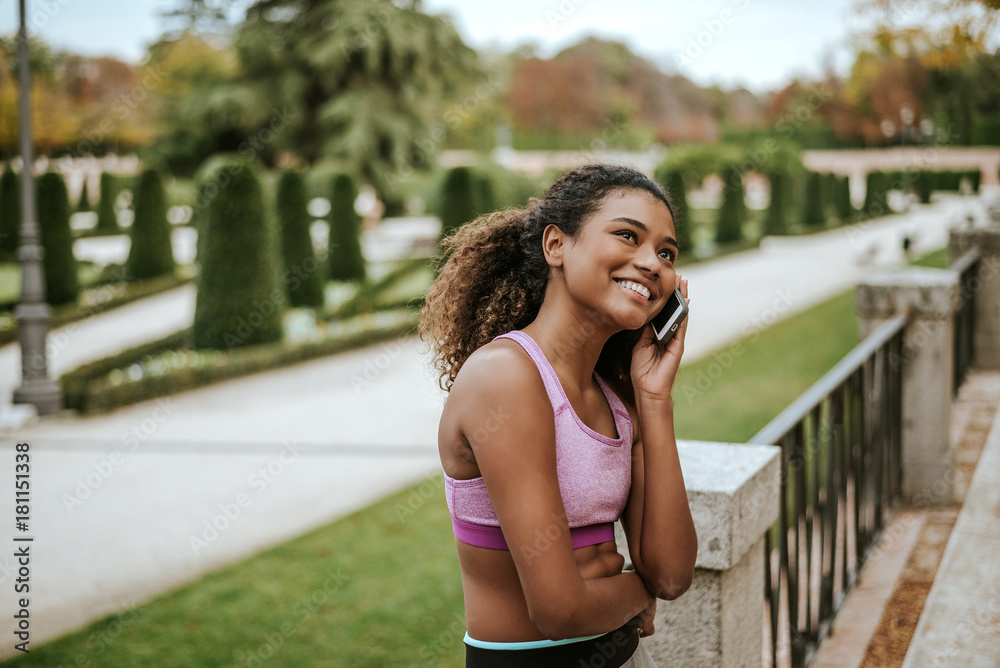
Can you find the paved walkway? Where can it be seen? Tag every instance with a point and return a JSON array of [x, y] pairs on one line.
[[129, 504]]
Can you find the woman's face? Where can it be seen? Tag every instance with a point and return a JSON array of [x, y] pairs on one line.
[[629, 239]]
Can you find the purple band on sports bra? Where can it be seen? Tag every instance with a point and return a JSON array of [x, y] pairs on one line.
[[492, 537]]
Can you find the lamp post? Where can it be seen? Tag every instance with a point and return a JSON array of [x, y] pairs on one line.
[[32, 312]]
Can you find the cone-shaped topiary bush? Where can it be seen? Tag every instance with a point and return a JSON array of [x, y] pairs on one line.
[[303, 273], [672, 182], [61, 285], [10, 215], [776, 218], [812, 205], [458, 200], [921, 183], [107, 220], [876, 195], [345, 259], [732, 212], [240, 298], [151, 253], [485, 199], [83, 204], [843, 208]]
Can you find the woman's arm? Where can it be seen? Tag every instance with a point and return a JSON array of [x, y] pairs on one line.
[[662, 532], [507, 418]]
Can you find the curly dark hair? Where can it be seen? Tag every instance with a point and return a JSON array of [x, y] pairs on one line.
[[492, 273]]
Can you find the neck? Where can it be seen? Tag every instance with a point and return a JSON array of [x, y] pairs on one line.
[[571, 338]]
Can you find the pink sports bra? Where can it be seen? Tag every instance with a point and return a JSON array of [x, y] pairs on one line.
[[594, 471]]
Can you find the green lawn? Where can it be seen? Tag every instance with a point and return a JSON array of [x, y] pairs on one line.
[[382, 587]]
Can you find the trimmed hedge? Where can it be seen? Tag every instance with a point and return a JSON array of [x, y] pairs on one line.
[[61, 282], [776, 218], [107, 220], [10, 215], [732, 213], [304, 274], [90, 388], [83, 203], [843, 208], [813, 212], [458, 200], [240, 301], [345, 259], [672, 181], [151, 252], [876, 195]]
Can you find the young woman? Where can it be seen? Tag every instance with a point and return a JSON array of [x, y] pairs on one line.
[[559, 421]]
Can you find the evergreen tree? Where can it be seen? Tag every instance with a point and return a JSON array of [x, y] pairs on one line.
[[83, 204], [10, 215], [151, 253], [458, 200], [107, 220], [812, 205], [240, 299], [302, 269], [345, 259], [922, 185], [776, 218], [61, 283], [732, 212]]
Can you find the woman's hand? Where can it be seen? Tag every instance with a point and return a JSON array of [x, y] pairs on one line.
[[654, 366], [645, 619]]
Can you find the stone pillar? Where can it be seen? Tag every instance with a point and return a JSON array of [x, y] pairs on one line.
[[985, 290], [932, 297], [733, 492]]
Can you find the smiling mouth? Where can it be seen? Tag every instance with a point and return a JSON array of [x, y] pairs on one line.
[[635, 290]]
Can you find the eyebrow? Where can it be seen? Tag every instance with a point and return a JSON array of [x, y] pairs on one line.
[[668, 239]]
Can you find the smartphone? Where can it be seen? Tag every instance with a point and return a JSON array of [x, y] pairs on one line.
[[670, 317]]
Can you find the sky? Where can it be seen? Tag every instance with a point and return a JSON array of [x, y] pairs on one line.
[[757, 44]]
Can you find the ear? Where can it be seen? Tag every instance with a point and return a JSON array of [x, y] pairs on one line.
[[553, 244]]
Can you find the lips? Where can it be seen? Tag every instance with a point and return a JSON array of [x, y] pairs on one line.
[[635, 289]]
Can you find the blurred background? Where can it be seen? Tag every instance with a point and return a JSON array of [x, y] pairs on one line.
[[232, 187]]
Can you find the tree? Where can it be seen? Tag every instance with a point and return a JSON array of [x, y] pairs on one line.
[[346, 261], [357, 80], [83, 204], [732, 212], [10, 215], [151, 252], [842, 200], [61, 283], [304, 272], [240, 299], [876, 195]]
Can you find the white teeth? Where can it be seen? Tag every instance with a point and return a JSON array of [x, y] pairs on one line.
[[635, 287]]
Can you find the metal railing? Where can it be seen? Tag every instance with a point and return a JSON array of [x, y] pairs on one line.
[[967, 267], [841, 474]]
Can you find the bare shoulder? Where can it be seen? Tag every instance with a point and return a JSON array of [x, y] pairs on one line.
[[501, 367]]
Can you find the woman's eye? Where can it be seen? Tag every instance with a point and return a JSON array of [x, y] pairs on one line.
[[629, 233], [670, 255]]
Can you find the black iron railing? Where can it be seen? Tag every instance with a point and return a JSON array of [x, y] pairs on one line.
[[841, 474], [967, 267]]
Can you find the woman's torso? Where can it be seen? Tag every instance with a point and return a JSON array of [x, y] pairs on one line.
[[495, 605]]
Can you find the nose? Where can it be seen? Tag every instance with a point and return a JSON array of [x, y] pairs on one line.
[[647, 260]]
